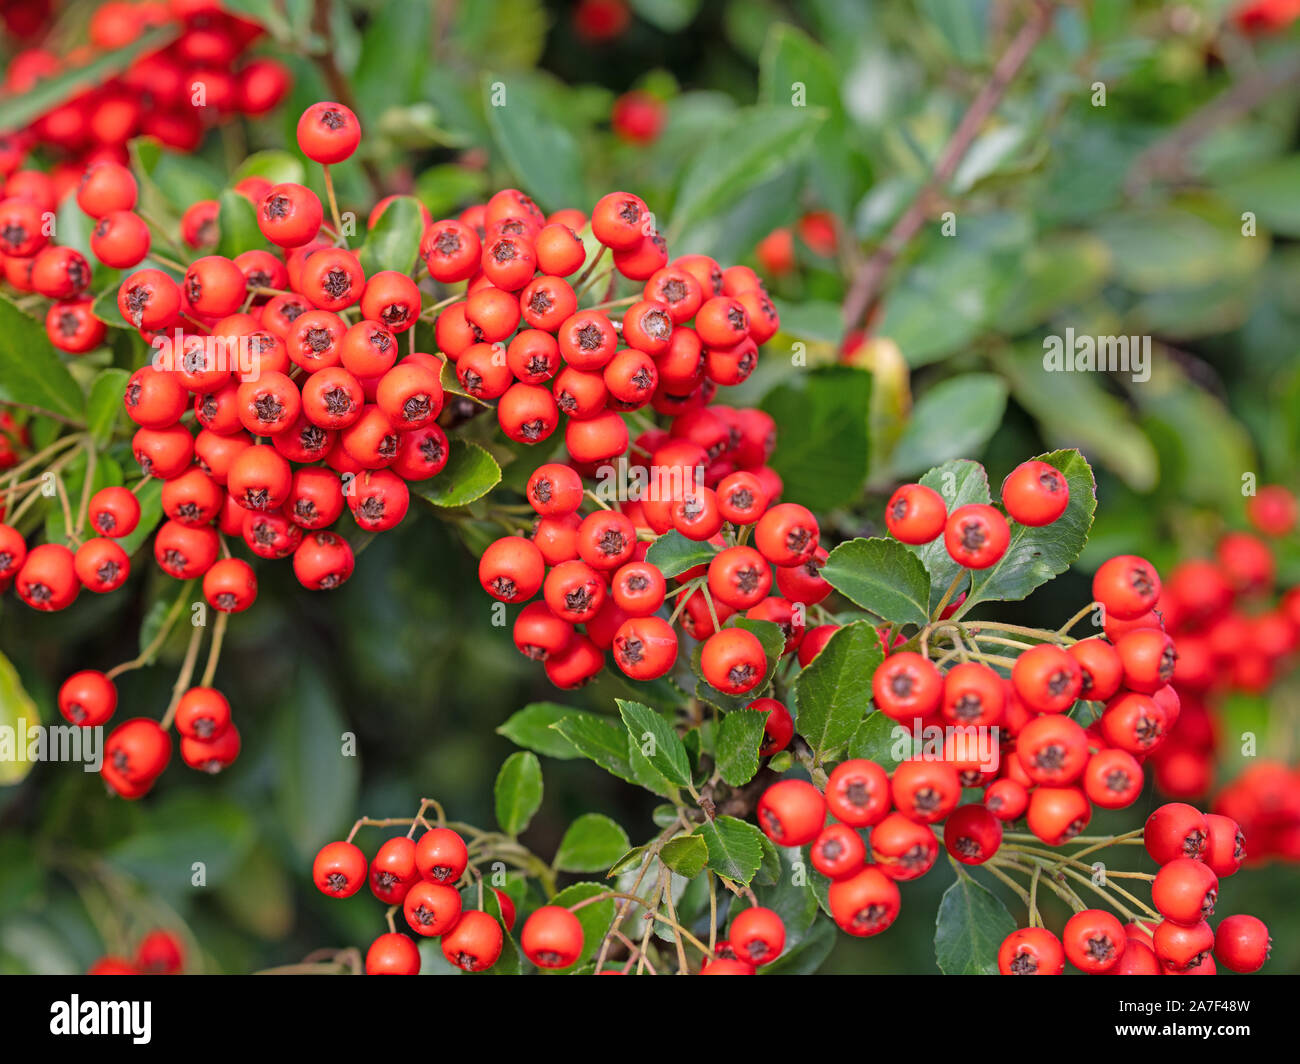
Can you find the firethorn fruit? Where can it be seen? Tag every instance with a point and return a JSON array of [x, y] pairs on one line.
[[339, 869], [441, 855], [1185, 891], [551, 937], [393, 871], [915, 514], [1127, 586], [865, 904], [1058, 814], [838, 852], [1242, 943], [791, 812], [392, 953], [1175, 830], [87, 698], [1035, 493], [778, 727], [475, 943], [1093, 940], [857, 792], [902, 848], [972, 834], [757, 935], [203, 713], [1031, 951], [907, 686], [733, 661], [976, 536], [431, 908]]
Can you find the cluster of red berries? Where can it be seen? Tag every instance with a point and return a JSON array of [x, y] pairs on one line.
[[1194, 851], [1234, 633], [755, 938], [977, 535], [159, 953], [421, 876], [200, 76]]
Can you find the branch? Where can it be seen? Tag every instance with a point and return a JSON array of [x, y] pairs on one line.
[[1166, 159], [865, 287]]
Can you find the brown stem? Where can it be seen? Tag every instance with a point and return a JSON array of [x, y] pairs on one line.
[[865, 287]]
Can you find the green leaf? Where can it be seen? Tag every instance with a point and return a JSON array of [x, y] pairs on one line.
[[1188, 245], [17, 711], [599, 740], [876, 739], [518, 792], [739, 737], [823, 459], [672, 553], [959, 482], [278, 167], [595, 919], [810, 953], [104, 405], [30, 369], [735, 847], [106, 310], [150, 496], [592, 843], [237, 225], [317, 775], [470, 474], [953, 419], [531, 727], [1269, 192], [394, 242], [970, 927], [648, 729], [883, 577], [686, 855], [670, 16], [541, 153], [963, 26], [754, 146], [1035, 555], [187, 827], [832, 693]]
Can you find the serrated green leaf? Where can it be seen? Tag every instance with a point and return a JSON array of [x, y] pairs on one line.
[[824, 457], [739, 737], [30, 369], [831, 695], [672, 553], [686, 855], [592, 843], [657, 741], [531, 728], [876, 739], [970, 927], [394, 242], [518, 791], [237, 225], [470, 474], [602, 741], [883, 577], [1035, 555], [735, 847]]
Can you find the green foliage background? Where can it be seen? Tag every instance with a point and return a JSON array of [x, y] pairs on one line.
[[1058, 225]]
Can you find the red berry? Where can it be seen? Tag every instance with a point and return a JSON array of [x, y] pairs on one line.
[[866, 904], [1031, 951], [907, 686], [328, 132], [475, 943], [915, 514], [1127, 586], [339, 869], [1242, 943], [1094, 940], [551, 937], [1185, 891], [976, 536], [925, 791], [431, 909], [1175, 830], [87, 698], [972, 834], [441, 855], [393, 954], [838, 852], [757, 935], [791, 812], [1035, 493], [733, 661]]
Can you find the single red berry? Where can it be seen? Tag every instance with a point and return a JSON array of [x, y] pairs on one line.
[[441, 855], [1185, 891], [328, 132], [393, 953], [160, 953], [866, 904], [838, 852], [475, 943], [551, 937], [1127, 586], [858, 793], [1112, 779], [1035, 493], [1176, 830], [1181, 949], [339, 869], [431, 909], [915, 514], [976, 536], [902, 848], [792, 812], [1094, 940], [907, 686], [88, 698], [925, 791], [733, 661], [1242, 943], [757, 935], [972, 834], [1058, 814], [1031, 951]]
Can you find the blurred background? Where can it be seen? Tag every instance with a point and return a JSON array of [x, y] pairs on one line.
[[1140, 177]]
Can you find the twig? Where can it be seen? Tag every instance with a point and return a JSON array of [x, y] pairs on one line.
[[864, 289]]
